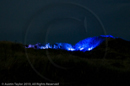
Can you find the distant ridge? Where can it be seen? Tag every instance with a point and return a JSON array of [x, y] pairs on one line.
[[84, 45]]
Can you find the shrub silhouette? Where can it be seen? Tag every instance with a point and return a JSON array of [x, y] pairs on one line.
[[81, 67]]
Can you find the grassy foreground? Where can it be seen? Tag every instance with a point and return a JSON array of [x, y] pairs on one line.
[[67, 68]]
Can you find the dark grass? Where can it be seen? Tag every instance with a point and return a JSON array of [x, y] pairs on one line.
[[81, 69]]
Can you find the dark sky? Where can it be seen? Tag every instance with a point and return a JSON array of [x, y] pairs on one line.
[[32, 21]]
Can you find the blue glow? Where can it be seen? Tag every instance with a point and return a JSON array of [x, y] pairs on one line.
[[107, 36], [90, 48], [87, 44]]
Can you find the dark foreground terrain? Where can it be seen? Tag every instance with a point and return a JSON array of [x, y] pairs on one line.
[[103, 66]]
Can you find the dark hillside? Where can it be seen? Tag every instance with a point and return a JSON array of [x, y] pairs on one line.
[[99, 67]]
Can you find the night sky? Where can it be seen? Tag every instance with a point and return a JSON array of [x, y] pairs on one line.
[[69, 21]]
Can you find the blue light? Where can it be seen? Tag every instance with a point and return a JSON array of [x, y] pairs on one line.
[[107, 36], [90, 48], [71, 49], [87, 44], [81, 48], [42, 47]]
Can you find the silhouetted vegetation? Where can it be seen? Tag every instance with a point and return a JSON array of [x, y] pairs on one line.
[[103, 66]]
